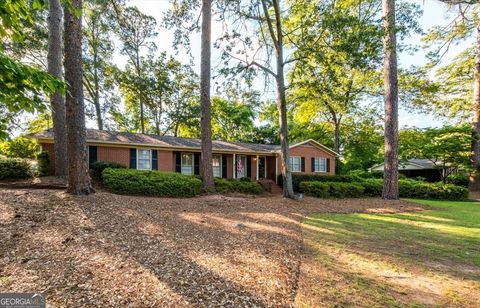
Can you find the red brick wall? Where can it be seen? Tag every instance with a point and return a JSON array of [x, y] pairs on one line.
[[113, 154], [308, 152], [166, 161]]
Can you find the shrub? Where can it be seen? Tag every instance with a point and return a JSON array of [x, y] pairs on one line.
[[15, 168], [459, 180], [423, 190], [20, 147], [43, 163], [99, 166], [239, 186], [372, 187], [298, 178], [150, 183], [332, 189]]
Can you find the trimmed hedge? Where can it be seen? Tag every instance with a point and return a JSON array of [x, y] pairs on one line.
[[100, 165], [150, 183], [243, 185], [332, 189], [407, 189], [15, 168], [298, 178]]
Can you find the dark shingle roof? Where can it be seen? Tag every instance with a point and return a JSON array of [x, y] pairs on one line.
[[94, 135]]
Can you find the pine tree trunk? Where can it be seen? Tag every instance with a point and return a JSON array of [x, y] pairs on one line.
[[390, 180], [474, 179], [78, 178], [57, 100], [206, 124]]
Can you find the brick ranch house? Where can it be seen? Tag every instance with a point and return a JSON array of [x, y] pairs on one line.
[[174, 154]]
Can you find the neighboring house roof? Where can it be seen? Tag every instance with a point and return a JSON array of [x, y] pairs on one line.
[[124, 138], [410, 164]]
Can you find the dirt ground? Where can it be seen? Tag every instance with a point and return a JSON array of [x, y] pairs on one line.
[[110, 250]]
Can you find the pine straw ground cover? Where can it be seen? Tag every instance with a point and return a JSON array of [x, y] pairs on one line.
[[107, 250]]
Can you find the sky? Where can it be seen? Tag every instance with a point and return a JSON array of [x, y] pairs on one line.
[[434, 13]]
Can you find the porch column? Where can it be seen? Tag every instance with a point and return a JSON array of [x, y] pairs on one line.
[[234, 165], [265, 172], [257, 167]]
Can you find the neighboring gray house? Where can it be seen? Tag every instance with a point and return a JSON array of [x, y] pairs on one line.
[[417, 167]]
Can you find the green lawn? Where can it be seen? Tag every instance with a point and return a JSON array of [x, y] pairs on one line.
[[422, 258]]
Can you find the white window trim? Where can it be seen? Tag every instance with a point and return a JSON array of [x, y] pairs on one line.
[[300, 158], [221, 169], [150, 151], [315, 160], [193, 162]]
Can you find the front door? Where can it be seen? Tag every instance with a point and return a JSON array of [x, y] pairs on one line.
[[261, 167]]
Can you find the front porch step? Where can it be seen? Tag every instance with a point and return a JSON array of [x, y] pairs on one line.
[[271, 186]]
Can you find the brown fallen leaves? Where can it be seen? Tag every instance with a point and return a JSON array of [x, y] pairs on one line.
[[110, 250]]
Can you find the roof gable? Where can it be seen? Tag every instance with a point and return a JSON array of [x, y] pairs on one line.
[[313, 143]]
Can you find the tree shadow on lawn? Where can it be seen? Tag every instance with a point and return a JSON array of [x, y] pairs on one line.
[[401, 258]]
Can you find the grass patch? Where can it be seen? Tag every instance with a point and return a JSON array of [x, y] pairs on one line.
[[428, 257]]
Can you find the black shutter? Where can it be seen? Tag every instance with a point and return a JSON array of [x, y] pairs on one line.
[[178, 162], [154, 160], [303, 164], [235, 166], [328, 164], [92, 155], [196, 163], [224, 166], [249, 166], [313, 164], [133, 158]]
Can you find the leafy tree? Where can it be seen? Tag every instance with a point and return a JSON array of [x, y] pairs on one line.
[[448, 148], [20, 147], [231, 121], [339, 52], [363, 140], [22, 86], [136, 30], [98, 51], [257, 41], [465, 24]]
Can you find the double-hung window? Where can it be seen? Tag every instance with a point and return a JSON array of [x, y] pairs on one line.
[[187, 163], [295, 163], [320, 164], [144, 159], [217, 166]]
